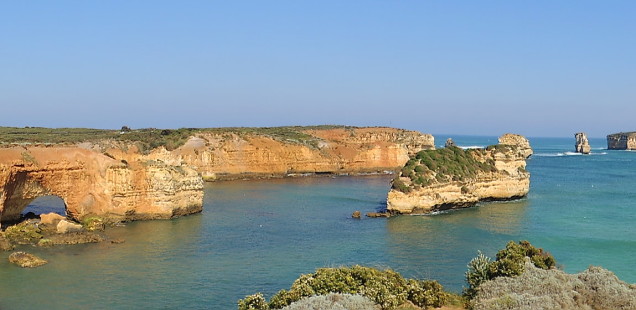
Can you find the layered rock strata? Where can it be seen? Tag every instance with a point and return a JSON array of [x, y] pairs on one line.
[[244, 155], [121, 179], [622, 141], [455, 178], [582, 144], [334, 151], [91, 183]]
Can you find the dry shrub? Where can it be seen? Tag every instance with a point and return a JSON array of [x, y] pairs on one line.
[[334, 301], [595, 288]]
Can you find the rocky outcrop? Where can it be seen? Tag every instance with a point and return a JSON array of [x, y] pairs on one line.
[[582, 145], [26, 260], [65, 226], [120, 179], [92, 183], [622, 141], [454, 178], [235, 155], [449, 143]]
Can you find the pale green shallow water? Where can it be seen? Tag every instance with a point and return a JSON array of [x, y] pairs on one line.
[[260, 235]]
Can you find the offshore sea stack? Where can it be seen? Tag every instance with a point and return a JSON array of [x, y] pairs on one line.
[[622, 141], [452, 177], [582, 145]]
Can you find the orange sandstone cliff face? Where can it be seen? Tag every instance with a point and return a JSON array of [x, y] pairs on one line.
[[114, 179], [232, 155], [499, 174], [91, 183]]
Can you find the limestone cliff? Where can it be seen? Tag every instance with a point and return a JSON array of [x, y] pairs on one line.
[[454, 178], [91, 183], [256, 154], [150, 173], [622, 141], [582, 144]]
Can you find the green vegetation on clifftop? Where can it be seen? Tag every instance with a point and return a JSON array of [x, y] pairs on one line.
[[446, 164], [150, 138]]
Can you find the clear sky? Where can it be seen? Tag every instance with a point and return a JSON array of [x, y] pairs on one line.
[[538, 68]]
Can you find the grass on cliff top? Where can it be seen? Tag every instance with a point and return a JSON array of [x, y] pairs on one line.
[[442, 165], [150, 138]]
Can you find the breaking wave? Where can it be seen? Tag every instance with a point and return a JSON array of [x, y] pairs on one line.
[[565, 154]]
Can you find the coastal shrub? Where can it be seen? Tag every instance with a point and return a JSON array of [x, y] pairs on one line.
[[386, 288], [426, 293], [536, 288], [334, 301], [253, 302], [478, 272], [399, 185], [510, 262]]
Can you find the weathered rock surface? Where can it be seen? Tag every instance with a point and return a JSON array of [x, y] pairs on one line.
[[118, 181], [26, 260], [449, 143], [582, 144], [51, 219], [622, 141], [91, 183], [222, 156], [65, 226], [5, 244], [77, 237], [356, 214], [436, 183]]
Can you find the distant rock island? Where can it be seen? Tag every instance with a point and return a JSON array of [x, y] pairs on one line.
[[582, 144], [151, 173], [622, 141], [452, 177]]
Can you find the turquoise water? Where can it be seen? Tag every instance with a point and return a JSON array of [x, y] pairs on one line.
[[260, 235]]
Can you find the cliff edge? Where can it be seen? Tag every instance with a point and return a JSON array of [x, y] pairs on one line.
[[92, 183], [452, 177], [622, 141], [154, 173]]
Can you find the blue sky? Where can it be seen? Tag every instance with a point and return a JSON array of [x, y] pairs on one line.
[[538, 68]]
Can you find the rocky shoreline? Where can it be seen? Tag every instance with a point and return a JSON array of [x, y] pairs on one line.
[[453, 178], [159, 174]]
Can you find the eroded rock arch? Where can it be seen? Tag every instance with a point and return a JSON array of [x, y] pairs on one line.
[[91, 183]]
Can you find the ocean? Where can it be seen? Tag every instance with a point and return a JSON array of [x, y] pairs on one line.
[[260, 235]]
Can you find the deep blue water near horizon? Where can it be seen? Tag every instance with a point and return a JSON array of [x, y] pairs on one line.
[[258, 236]]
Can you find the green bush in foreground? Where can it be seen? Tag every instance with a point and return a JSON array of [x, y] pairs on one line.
[[386, 288], [510, 262]]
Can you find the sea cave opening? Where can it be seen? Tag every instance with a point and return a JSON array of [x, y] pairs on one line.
[[44, 204]]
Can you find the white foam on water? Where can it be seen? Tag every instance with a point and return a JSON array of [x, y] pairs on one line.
[[467, 147], [565, 154]]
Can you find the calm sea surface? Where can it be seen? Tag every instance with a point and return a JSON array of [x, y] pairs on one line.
[[261, 235]]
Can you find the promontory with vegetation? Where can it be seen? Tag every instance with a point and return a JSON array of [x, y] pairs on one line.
[[453, 177], [128, 174]]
